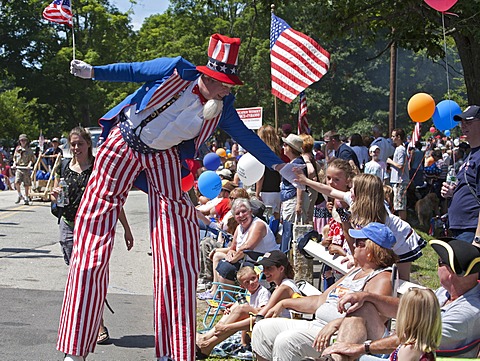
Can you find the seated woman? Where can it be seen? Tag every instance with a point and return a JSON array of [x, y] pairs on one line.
[[284, 339], [252, 235], [277, 269]]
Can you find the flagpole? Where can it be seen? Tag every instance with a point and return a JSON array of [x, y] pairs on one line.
[[73, 39], [272, 9]]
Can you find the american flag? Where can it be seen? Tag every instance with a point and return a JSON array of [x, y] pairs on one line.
[[59, 11], [297, 60], [303, 127], [415, 135]]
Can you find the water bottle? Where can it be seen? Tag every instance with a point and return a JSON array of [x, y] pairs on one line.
[[62, 199], [451, 177]]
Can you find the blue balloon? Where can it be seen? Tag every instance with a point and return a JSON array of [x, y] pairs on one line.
[[209, 184], [447, 133], [40, 175], [444, 112], [211, 161]]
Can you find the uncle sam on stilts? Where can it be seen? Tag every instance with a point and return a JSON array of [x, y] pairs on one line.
[[147, 136]]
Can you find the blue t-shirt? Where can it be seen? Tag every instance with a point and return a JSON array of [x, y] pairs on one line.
[[287, 189], [346, 153], [464, 207]]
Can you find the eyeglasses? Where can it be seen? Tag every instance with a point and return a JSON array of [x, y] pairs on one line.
[[232, 198], [360, 242]]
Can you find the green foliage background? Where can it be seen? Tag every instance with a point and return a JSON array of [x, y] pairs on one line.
[[37, 91]]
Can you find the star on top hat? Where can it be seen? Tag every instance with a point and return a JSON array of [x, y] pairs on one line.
[[222, 59]]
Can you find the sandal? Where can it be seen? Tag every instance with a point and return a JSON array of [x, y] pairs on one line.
[[199, 355], [103, 337]]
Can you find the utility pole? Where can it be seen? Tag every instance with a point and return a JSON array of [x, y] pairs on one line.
[[392, 108]]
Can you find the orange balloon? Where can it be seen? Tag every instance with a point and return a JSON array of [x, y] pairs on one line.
[[221, 152], [421, 107]]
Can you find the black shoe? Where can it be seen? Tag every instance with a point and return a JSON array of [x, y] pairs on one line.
[[20, 198]]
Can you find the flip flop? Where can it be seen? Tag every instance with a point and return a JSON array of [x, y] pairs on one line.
[[199, 355], [103, 337]]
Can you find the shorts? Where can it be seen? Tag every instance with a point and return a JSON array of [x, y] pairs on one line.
[[399, 196], [229, 270], [23, 176], [272, 199]]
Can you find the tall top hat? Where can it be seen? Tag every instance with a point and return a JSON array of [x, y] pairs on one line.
[[222, 59]]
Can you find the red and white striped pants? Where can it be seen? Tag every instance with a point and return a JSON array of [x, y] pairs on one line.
[[174, 238]]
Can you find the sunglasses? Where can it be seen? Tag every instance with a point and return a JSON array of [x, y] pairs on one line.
[[232, 198]]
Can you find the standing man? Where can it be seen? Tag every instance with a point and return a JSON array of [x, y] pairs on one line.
[[399, 175], [23, 161], [341, 150], [147, 136], [386, 147], [463, 212]]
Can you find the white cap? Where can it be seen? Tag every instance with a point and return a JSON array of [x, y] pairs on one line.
[[373, 148]]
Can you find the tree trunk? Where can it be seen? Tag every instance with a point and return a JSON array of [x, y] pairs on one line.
[[469, 52]]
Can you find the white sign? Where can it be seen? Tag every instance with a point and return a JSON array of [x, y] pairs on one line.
[[252, 117]]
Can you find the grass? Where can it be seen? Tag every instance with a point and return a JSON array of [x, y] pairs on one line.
[[424, 272]]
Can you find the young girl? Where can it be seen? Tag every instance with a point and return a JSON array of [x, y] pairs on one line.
[[339, 177], [368, 205], [419, 326]]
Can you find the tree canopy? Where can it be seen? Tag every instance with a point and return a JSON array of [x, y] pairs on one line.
[[38, 92]]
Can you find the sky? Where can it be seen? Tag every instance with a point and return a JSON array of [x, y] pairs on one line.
[[142, 10]]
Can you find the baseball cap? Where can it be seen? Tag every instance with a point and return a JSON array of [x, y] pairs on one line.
[[22, 136], [462, 257], [376, 232], [55, 140], [226, 173], [229, 186], [274, 258], [373, 148], [471, 112]]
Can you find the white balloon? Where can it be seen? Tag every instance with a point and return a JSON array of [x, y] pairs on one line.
[[249, 169]]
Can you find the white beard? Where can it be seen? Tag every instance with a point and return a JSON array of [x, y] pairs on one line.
[[212, 108]]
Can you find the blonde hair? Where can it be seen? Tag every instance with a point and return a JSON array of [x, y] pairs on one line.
[[388, 192], [245, 271], [381, 257], [369, 204], [308, 141], [419, 320], [270, 137], [344, 166]]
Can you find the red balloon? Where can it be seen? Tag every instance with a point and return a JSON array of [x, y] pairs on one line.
[[432, 129], [441, 5], [187, 182]]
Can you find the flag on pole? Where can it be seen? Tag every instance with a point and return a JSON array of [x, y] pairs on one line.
[[296, 60], [415, 135], [60, 12], [303, 127]]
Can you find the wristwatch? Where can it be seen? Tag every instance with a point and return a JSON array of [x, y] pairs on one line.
[[476, 240], [366, 344]]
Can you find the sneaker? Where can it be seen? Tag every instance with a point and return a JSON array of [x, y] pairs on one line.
[[242, 353], [27, 201], [19, 199], [207, 295], [73, 358]]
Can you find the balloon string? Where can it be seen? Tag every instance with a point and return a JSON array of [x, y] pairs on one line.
[[446, 58]]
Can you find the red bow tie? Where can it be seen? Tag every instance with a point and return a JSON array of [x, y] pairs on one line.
[[196, 90]]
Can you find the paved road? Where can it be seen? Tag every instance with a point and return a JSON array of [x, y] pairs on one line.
[[33, 276]]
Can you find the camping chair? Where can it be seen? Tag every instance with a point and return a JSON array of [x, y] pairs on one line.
[[224, 296], [458, 351]]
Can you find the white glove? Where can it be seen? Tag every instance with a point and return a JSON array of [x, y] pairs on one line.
[[81, 69], [288, 173]]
